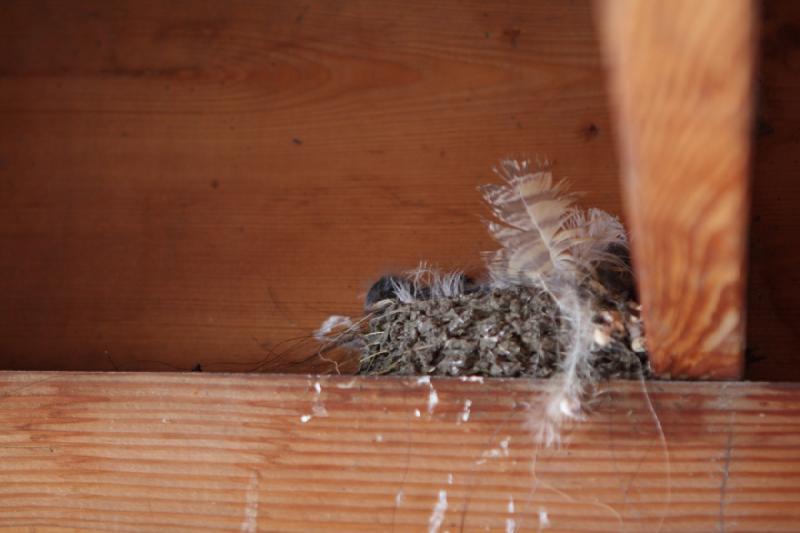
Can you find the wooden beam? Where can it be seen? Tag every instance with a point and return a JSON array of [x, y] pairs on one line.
[[205, 187], [213, 452], [681, 84]]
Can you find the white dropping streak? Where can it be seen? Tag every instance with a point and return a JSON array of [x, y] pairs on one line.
[[504, 446], [502, 451], [305, 418], [250, 522], [511, 524], [349, 385], [465, 412], [544, 520], [318, 408], [433, 400], [437, 516]]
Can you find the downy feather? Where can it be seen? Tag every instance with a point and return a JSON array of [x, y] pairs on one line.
[[599, 233], [546, 241], [533, 225], [426, 282]]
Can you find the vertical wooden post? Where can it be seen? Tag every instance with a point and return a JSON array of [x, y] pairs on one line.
[[681, 84]]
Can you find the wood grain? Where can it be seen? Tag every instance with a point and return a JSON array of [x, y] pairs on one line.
[[199, 452], [156, 213], [189, 182], [681, 74]]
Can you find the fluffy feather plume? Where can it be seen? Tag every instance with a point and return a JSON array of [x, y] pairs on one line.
[[547, 242], [599, 233], [535, 225], [426, 282], [542, 233]]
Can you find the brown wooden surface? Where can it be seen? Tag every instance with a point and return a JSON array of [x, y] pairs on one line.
[[681, 78], [189, 182], [212, 452], [155, 210]]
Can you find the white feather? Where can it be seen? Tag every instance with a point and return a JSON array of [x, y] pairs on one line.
[[546, 241], [333, 322], [599, 232], [447, 284], [405, 290], [439, 284], [533, 225]]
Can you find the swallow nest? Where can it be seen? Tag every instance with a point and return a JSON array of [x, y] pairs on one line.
[[558, 303], [493, 332]]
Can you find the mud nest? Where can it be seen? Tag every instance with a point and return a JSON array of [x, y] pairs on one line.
[[509, 332]]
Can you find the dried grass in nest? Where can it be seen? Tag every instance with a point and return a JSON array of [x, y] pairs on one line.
[[508, 332]]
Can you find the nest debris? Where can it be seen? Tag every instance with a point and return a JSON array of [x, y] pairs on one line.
[[500, 332]]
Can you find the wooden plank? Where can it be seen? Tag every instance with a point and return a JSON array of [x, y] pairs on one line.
[[196, 452], [116, 119], [187, 183], [681, 76]]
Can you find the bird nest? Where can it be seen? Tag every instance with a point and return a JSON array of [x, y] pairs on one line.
[[500, 332]]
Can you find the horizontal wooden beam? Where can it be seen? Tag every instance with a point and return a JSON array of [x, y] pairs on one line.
[[203, 188], [204, 452]]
